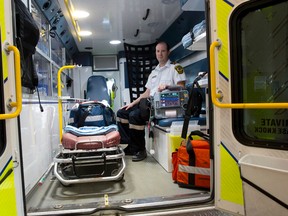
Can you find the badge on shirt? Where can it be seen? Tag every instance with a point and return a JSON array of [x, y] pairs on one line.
[[153, 79], [179, 69]]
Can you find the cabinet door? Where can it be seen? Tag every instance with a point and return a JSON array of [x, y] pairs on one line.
[[43, 69], [57, 51], [43, 25]]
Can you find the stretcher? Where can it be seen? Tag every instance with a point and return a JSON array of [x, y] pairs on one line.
[[90, 151], [95, 158]]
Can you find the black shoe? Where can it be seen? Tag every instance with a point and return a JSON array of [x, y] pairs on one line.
[[127, 151], [139, 156]]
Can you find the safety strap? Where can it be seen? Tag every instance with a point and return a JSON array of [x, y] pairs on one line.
[[82, 117], [87, 108], [187, 115], [189, 146]]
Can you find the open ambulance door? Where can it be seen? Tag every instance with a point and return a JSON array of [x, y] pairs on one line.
[[249, 93], [11, 193]]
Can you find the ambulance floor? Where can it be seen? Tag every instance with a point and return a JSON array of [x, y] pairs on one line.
[[142, 180]]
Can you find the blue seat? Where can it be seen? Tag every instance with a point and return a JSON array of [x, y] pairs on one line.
[[97, 89]]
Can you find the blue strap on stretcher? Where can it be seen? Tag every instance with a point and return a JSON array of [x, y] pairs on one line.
[[90, 130]]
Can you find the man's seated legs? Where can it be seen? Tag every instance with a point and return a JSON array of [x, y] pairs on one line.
[[132, 131]]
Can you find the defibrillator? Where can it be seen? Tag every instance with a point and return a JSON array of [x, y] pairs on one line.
[[170, 104]]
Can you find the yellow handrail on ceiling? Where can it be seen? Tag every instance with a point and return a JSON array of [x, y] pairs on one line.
[[70, 9]]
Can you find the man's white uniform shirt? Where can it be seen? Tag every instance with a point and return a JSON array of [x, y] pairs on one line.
[[166, 75]]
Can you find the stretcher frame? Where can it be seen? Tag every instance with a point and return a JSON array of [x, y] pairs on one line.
[[76, 158], [98, 157]]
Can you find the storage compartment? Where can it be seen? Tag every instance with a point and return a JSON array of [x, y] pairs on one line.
[[264, 179], [161, 148]]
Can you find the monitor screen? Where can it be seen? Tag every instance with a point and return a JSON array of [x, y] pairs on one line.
[[169, 99]]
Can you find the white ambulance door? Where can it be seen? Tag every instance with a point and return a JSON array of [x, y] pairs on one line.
[[249, 91], [11, 193]]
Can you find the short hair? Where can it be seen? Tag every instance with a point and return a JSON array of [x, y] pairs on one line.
[[163, 42]]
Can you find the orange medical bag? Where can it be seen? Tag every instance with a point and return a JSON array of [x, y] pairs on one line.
[[191, 163]]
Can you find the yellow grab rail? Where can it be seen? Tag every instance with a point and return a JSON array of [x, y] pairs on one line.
[[215, 96], [59, 84], [18, 103], [70, 9]]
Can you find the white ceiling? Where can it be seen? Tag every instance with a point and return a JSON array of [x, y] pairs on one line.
[[123, 18]]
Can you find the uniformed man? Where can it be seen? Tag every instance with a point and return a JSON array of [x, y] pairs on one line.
[[130, 121]]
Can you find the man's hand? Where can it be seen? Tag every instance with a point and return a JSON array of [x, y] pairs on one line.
[[162, 87], [144, 95], [127, 106]]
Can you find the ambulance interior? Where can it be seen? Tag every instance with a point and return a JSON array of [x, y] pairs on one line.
[[148, 184]]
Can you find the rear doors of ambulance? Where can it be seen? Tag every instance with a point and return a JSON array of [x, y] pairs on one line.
[[249, 91]]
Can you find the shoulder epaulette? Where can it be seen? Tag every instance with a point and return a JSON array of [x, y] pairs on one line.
[[179, 69]]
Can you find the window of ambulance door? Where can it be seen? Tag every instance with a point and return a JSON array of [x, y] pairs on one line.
[[259, 66]]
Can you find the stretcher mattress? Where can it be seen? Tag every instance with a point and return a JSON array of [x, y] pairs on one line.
[[70, 141]]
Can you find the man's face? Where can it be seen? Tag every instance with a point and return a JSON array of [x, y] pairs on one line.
[[162, 53]]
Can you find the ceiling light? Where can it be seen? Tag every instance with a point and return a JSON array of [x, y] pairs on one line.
[[115, 42], [84, 33], [80, 14]]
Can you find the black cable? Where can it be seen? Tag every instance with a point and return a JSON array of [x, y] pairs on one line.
[[41, 108]]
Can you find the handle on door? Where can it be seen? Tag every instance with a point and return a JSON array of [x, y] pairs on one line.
[[216, 95], [18, 103]]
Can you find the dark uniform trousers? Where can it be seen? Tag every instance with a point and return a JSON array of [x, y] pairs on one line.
[[131, 126]]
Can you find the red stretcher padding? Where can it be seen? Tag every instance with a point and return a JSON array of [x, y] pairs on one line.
[[70, 141]]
